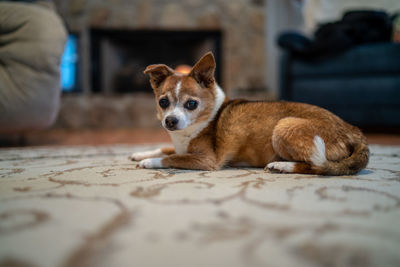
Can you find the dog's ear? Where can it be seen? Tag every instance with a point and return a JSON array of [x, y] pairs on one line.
[[203, 70], [158, 73]]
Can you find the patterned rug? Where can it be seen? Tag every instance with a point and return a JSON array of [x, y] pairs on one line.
[[90, 206]]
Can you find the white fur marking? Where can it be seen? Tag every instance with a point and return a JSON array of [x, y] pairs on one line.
[[220, 98], [318, 158], [181, 116], [281, 166], [151, 163], [182, 138], [146, 154], [178, 88]]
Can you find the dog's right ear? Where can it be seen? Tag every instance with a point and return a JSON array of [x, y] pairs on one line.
[[158, 73]]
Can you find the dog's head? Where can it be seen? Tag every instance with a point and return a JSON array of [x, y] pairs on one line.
[[185, 100]]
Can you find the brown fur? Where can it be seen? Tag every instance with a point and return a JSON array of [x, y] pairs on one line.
[[257, 133]]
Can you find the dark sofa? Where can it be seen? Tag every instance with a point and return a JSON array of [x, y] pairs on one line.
[[361, 85]]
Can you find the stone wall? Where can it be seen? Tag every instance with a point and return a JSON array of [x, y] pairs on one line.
[[241, 22], [107, 112]]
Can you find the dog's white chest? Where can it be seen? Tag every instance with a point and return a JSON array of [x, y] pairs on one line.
[[181, 142], [181, 139]]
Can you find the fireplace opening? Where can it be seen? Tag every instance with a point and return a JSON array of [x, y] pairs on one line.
[[119, 57]]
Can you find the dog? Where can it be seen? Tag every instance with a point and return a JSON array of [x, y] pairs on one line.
[[210, 131]]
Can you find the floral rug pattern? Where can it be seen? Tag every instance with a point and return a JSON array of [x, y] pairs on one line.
[[91, 206]]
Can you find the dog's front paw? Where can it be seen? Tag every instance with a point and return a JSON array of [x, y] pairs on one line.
[[280, 166], [145, 155], [137, 156], [152, 163]]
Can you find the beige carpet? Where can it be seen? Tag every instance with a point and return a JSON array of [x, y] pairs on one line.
[[90, 206]]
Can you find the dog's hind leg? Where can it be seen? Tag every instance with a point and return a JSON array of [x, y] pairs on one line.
[[297, 141]]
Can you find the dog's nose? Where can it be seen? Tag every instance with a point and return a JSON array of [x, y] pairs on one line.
[[171, 122]]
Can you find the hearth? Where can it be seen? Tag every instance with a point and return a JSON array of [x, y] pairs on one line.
[[118, 57]]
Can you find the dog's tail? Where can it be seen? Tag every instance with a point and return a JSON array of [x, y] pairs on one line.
[[357, 161]]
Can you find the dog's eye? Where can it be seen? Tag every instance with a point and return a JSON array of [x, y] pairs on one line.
[[191, 104], [164, 102]]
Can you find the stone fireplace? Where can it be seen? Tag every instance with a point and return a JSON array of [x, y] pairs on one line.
[[118, 57], [118, 38]]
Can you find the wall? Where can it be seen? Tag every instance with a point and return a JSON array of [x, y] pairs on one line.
[[320, 11], [282, 15]]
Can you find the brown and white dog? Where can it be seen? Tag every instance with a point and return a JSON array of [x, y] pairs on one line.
[[209, 131]]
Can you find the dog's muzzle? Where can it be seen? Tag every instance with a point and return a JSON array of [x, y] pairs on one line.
[[171, 123]]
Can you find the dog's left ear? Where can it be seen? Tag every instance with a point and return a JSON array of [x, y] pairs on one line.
[[158, 73], [203, 70]]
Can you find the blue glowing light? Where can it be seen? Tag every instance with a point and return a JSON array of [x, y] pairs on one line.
[[69, 64]]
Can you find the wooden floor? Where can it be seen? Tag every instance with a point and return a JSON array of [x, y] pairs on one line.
[[124, 136]]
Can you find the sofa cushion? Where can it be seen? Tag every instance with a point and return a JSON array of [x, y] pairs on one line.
[[361, 101], [361, 60], [383, 90]]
